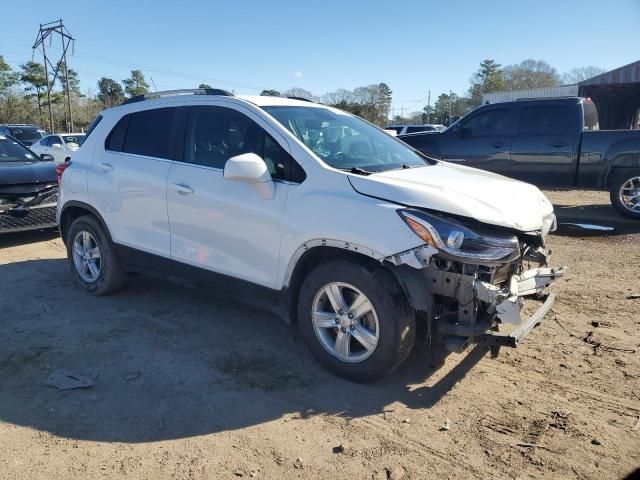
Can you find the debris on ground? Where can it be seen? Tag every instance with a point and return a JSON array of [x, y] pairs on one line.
[[595, 441], [65, 380], [446, 425], [298, 463], [132, 376], [633, 296], [637, 425], [395, 472], [339, 448]]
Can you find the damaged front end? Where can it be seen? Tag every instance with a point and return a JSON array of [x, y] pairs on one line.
[[28, 206], [472, 280]]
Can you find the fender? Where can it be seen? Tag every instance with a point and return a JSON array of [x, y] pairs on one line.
[[84, 206], [623, 154], [327, 242]]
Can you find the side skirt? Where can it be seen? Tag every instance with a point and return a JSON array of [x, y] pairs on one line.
[[137, 261]]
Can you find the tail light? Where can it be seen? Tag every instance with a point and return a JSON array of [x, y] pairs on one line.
[[60, 168]]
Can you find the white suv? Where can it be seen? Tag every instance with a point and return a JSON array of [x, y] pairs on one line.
[[310, 212]]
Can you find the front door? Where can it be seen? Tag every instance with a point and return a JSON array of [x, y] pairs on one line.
[[220, 225], [483, 140]]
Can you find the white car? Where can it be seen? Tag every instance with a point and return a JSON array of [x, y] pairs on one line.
[[60, 145], [312, 213], [405, 129]]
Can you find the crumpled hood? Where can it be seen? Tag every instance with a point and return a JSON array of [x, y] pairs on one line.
[[459, 190]]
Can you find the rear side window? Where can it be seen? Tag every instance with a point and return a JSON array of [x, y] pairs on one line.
[[544, 121], [149, 133], [143, 133]]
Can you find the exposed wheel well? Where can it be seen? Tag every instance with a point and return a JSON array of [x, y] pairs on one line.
[[310, 259], [70, 213]]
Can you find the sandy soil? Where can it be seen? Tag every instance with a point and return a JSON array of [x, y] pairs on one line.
[[188, 386]]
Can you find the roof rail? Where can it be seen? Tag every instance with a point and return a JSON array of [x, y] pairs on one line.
[[524, 99], [302, 99], [184, 91]]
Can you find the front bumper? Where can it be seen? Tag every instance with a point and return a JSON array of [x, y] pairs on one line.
[[478, 310], [28, 218]]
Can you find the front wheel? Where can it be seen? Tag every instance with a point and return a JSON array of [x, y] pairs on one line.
[[625, 193], [355, 320]]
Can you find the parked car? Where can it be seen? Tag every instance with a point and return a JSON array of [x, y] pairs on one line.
[[550, 142], [24, 133], [60, 145], [28, 188], [405, 129], [310, 212]]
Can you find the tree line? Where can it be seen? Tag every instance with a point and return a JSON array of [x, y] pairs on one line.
[[23, 96]]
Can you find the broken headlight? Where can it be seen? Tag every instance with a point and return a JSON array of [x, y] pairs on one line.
[[456, 240]]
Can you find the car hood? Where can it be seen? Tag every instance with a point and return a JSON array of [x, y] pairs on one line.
[[12, 173], [459, 190]]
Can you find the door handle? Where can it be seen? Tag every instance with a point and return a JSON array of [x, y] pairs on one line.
[[559, 144], [498, 144], [105, 166], [183, 188]]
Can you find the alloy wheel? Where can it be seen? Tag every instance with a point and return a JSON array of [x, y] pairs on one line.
[[345, 322]]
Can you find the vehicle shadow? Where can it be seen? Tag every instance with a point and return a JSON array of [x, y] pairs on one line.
[[170, 361], [579, 221], [24, 238]]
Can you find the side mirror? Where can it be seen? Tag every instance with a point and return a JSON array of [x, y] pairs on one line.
[[56, 145], [250, 168], [46, 157]]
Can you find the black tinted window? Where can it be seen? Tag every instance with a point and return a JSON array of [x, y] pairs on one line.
[[215, 134], [149, 133], [418, 129], [544, 121], [489, 123], [115, 140]]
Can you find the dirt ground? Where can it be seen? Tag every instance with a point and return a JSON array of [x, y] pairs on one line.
[[188, 386]]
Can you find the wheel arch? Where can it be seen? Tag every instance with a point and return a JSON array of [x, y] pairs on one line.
[[74, 209], [313, 255]]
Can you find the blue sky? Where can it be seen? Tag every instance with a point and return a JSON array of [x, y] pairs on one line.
[[413, 45]]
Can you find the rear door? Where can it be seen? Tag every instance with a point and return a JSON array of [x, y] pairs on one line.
[[482, 139], [543, 151], [128, 182]]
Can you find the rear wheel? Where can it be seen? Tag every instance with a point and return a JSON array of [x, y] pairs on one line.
[[92, 258], [625, 193], [355, 320]]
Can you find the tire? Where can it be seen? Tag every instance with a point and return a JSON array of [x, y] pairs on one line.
[[391, 315], [110, 275], [626, 178]]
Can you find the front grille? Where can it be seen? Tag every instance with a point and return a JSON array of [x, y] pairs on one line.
[[32, 219]]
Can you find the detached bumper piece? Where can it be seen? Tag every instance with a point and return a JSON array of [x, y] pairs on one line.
[[30, 218], [514, 338]]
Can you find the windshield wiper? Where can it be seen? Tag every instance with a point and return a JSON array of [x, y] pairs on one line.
[[356, 170]]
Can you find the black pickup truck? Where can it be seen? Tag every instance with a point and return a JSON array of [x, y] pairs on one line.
[[547, 142]]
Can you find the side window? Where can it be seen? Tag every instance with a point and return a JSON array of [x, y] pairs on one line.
[[149, 133], [489, 123], [544, 121], [215, 134], [44, 142], [115, 139]]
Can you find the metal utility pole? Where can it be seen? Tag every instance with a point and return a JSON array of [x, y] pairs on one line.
[[47, 30], [429, 107], [450, 102]]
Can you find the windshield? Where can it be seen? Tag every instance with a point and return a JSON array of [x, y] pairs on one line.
[[12, 151], [28, 134], [346, 142], [73, 140]]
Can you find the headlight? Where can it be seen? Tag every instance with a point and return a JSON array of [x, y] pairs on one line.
[[456, 240]]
